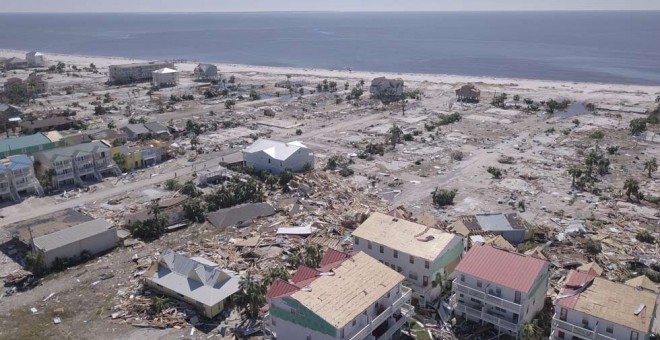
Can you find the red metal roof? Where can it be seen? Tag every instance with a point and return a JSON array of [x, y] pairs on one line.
[[504, 268], [332, 256], [574, 281], [304, 276], [280, 288]]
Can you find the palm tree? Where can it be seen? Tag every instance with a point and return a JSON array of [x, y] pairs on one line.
[[651, 166], [252, 295], [575, 173], [530, 330], [158, 304], [631, 186], [273, 274], [154, 208], [394, 135], [271, 180]]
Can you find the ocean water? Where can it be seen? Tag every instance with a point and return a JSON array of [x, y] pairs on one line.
[[618, 47]]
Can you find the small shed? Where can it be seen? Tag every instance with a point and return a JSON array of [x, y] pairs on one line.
[[468, 93], [95, 236], [164, 77]]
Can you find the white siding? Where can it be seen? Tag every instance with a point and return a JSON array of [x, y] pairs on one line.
[[264, 162], [95, 244], [593, 324]]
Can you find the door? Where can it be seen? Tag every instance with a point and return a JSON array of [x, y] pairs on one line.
[[425, 281], [562, 314]]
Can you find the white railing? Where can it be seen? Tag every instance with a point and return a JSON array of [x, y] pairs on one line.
[[468, 310], [600, 336], [500, 321], [563, 325], [401, 302], [491, 299]]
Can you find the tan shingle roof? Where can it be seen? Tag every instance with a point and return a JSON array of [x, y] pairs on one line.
[[357, 284], [643, 282], [407, 237]]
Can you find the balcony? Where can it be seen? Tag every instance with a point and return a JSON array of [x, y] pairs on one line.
[[500, 321], [407, 312], [490, 299], [400, 303], [565, 326]]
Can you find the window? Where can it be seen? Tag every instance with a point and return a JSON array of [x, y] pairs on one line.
[[561, 334], [562, 314], [609, 328], [412, 276], [427, 264], [357, 241], [398, 269], [382, 249], [396, 254], [412, 260], [369, 244], [501, 310], [585, 321], [479, 284], [309, 337], [634, 336], [425, 281], [388, 294], [268, 160], [475, 301], [393, 266], [354, 322], [387, 263], [462, 278], [498, 291], [516, 299]]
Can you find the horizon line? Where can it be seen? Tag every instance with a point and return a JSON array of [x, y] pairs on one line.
[[336, 11]]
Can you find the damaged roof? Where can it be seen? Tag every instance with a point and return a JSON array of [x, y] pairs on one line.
[[239, 214]]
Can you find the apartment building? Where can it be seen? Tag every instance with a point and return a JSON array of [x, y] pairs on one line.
[[424, 255], [77, 163], [352, 296], [500, 287], [17, 178], [591, 307], [136, 72]]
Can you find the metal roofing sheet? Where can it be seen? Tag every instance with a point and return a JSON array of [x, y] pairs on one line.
[[493, 222], [70, 235], [23, 142]]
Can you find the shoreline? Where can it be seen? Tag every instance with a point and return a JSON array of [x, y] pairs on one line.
[[188, 66]]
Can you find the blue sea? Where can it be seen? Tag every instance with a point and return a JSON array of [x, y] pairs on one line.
[[612, 47]]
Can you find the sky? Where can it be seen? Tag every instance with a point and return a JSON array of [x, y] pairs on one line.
[[317, 5]]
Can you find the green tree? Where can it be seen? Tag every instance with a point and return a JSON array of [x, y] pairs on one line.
[[35, 262], [193, 210], [575, 173], [285, 177], [251, 295], [442, 197], [651, 166], [229, 104], [273, 274], [172, 185], [637, 126], [120, 159], [271, 181], [495, 172], [154, 208], [530, 330], [631, 186], [190, 189], [159, 304], [394, 135]]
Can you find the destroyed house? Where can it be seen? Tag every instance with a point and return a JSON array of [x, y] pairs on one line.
[[511, 226], [352, 296], [95, 236], [171, 208], [206, 72], [424, 255], [384, 88], [196, 281], [468, 93], [239, 216], [501, 288], [591, 307]]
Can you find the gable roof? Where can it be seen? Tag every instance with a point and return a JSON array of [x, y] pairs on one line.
[[501, 267], [155, 127], [195, 280], [165, 70], [72, 234], [276, 150], [74, 150], [591, 267], [304, 276], [239, 214], [206, 69], [643, 282], [405, 236], [280, 288], [136, 128], [15, 162], [357, 283], [615, 302]]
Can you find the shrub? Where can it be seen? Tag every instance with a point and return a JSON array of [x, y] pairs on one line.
[[346, 171], [645, 236], [496, 172], [593, 247], [506, 160], [408, 137], [449, 119], [172, 185], [442, 197], [613, 149], [299, 132], [637, 126], [457, 155]]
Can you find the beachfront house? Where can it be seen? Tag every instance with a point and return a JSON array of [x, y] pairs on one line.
[[77, 163], [499, 287], [275, 157], [17, 178], [136, 72], [511, 227], [15, 64], [592, 307], [164, 77], [206, 72], [35, 59], [25, 145], [194, 280], [136, 131], [351, 296], [95, 237], [140, 155], [468, 93], [157, 129], [386, 89], [424, 255]]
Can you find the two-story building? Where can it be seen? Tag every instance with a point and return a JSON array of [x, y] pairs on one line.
[[500, 287], [77, 163], [352, 296], [275, 157], [424, 255], [17, 178], [591, 307]]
